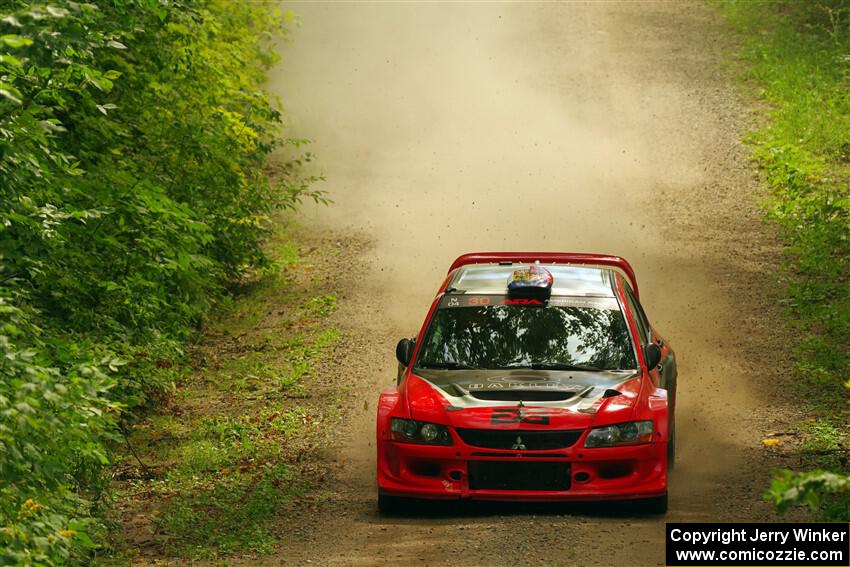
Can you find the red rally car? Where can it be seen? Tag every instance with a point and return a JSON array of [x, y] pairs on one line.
[[535, 377]]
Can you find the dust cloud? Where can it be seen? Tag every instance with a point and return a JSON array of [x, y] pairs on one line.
[[455, 127]]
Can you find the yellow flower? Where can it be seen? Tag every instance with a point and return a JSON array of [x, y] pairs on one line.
[[770, 442], [30, 507], [67, 533]]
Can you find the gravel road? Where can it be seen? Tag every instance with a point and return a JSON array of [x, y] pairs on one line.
[[598, 127]]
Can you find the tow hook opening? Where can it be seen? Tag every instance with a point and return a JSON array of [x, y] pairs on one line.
[[582, 476], [426, 468], [615, 470]]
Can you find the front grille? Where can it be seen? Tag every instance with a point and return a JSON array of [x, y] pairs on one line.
[[508, 439], [523, 395], [503, 475]]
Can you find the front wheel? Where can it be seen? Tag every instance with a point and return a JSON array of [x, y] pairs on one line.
[[671, 447], [654, 506], [390, 505]]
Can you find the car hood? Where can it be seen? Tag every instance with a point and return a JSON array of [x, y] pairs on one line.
[[522, 398]]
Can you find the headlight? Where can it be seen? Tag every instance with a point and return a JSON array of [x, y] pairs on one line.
[[631, 433], [411, 431]]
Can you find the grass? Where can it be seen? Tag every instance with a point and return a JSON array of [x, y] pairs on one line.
[[822, 443], [220, 462], [822, 435], [233, 513], [796, 59]]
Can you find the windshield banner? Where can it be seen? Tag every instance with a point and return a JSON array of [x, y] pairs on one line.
[[463, 300]]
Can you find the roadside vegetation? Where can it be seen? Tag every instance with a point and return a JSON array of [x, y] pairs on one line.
[[212, 470], [134, 138], [796, 58]]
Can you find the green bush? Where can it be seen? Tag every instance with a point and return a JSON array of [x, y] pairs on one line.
[[134, 136], [53, 423], [826, 493]]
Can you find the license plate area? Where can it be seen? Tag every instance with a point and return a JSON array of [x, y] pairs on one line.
[[518, 475]]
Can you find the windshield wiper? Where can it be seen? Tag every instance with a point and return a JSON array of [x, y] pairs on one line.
[[555, 366], [447, 365]]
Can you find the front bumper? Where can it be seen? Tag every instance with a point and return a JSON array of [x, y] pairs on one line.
[[438, 472]]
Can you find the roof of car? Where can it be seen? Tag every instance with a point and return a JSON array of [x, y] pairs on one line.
[[572, 280]]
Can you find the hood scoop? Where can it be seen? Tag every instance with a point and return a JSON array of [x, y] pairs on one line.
[[516, 395], [528, 394]]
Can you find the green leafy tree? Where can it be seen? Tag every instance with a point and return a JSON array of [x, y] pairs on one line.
[[134, 139]]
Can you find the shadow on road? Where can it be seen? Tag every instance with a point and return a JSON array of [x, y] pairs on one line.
[[440, 509]]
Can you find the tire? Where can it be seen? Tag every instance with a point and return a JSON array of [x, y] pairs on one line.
[[671, 447], [654, 506], [390, 505]]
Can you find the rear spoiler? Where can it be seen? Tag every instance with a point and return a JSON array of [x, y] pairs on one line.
[[550, 258]]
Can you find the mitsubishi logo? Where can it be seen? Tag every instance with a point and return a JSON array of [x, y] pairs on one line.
[[519, 446]]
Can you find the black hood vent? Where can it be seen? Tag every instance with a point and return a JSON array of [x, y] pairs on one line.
[[516, 395]]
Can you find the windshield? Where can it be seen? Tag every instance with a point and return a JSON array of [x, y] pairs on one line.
[[587, 336]]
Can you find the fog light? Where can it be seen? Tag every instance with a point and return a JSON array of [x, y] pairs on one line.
[[429, 432]]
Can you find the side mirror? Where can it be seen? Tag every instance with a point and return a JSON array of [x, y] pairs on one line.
[[404, 351], [651, 355]]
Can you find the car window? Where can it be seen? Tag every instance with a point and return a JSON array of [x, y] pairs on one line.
[[504, 336], [644, 330]]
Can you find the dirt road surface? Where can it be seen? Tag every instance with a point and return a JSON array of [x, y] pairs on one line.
[[601, 127]]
